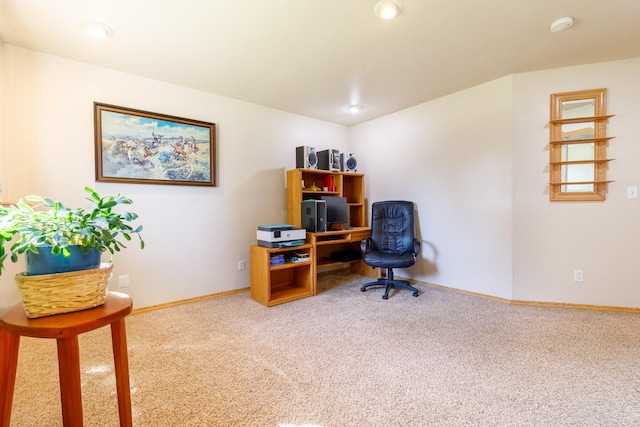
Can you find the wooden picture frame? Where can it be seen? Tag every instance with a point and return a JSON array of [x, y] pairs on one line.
[[134, 146]]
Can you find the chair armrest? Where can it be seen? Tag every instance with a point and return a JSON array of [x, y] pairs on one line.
[[416, 246], [364, 245]]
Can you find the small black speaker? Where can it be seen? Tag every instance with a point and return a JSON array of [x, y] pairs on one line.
[[314, 214], [306, 157], [348, 162]]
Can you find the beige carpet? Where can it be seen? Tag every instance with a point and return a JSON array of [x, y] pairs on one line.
[[346, 358]]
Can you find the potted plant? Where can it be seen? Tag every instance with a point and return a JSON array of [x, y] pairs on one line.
[[53, 237], [50, 228]]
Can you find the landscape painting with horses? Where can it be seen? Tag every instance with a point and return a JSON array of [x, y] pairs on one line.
[[152, 148]]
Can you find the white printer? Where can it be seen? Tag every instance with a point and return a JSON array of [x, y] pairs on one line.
[[280, 235]]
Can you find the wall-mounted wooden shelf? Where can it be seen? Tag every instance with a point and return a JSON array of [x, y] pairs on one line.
[[581, 141], [577, 162], [581, 119], [580, 182]]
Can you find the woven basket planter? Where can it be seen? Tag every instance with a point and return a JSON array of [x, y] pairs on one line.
[[48, 294]]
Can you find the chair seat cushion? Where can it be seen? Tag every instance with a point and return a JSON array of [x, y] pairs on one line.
[[385, 260]]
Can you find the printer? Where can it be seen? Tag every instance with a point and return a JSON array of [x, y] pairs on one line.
[[280, 235]]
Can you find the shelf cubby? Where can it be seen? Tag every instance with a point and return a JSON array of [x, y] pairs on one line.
[[277, 284]]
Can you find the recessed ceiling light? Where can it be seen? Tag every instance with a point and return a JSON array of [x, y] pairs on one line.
[[98, 30], [387, 9], [355, 108], [561, 24]]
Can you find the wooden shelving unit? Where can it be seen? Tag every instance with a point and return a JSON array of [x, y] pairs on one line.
[[272, 285], [349, 185], [578, 160]]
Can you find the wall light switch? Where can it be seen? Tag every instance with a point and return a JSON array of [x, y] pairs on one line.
[[632, 192]]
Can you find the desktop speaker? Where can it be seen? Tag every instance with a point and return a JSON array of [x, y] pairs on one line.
[[306, 158], [314, 214], [348, 162], [329, 160]]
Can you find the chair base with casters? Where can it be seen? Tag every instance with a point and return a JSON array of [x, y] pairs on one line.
[[389, 283]]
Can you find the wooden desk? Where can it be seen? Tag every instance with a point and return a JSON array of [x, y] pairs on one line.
[[272, 285], [332, 241], [65, 328]]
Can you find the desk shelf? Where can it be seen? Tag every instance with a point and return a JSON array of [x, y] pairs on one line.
[[289, 264], [330, 264], [332, 241], [287, 293], [349, 185]]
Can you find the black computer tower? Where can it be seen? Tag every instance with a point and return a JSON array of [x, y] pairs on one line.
[[314, 216]]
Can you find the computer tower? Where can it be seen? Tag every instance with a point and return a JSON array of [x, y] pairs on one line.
[[314, 216], [329, 160]]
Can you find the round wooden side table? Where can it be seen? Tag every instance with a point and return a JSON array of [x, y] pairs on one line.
[[65, 328]]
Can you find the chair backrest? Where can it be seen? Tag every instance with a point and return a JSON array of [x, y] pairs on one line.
[[393, 226]]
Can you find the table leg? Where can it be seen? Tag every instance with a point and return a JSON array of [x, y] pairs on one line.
[[70, 386], [9, 344], [121, 363]]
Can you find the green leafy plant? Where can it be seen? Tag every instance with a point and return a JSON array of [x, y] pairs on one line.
[[50, 223]]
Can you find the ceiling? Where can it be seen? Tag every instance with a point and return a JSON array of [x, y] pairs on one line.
[[314, 58]]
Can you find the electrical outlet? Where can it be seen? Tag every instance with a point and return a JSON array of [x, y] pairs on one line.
[[632, 192], [123, 281], [578, 275], [241, 265]]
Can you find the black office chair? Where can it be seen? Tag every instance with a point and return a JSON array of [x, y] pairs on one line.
[[392, 243]]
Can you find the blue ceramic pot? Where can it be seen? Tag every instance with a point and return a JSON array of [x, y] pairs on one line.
[[45, 262]]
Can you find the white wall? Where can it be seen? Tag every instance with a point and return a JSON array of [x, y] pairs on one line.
[[194, 236], [3, 162], [452, 157], [476, 164], [552, 239]]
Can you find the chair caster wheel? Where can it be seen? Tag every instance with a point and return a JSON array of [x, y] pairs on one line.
[[362, 289], [415, 294], [385, 296]]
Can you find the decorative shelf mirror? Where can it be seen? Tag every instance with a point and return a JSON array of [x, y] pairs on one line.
[[578, 159]]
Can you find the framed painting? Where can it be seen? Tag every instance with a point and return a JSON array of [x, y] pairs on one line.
[[140, 147]]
